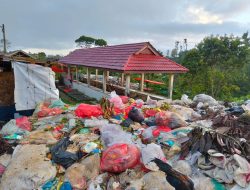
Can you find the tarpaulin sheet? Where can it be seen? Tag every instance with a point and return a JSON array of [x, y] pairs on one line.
[[33, 84]]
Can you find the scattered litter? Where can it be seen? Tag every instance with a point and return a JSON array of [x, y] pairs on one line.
[[122, 143]]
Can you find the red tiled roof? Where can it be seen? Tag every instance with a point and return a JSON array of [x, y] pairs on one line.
[[152, 63], [122, 58]]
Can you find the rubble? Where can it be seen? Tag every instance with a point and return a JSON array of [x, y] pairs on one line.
[[129, 144]]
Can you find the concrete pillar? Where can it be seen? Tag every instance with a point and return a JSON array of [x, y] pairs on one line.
[[127, 89], [96, 74], [104, 81], [170, 86], [142, 82], [88, 76], [122, 80]]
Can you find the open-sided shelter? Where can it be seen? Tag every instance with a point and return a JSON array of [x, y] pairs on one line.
[[127, 59]]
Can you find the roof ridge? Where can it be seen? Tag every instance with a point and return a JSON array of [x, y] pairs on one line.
[[113, 45], [126, 64]]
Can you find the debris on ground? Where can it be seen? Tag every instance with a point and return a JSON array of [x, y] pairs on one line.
[[122, 143]]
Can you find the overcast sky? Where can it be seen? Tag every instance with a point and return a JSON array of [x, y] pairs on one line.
[[53, 25]]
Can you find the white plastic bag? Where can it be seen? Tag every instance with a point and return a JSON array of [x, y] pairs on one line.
[[150, 152], [116, 100], [113, 134]]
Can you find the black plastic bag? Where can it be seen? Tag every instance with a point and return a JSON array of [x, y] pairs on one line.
[[61, 156], [127, 122], [136, 115], [150, 121]]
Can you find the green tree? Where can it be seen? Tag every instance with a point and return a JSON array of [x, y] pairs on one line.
[[215, 67], [41, 56], [100, 42], [87, 41]]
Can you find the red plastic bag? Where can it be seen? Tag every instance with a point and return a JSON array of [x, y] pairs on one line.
[[45, 111], [119, 157], [169, 119], [86, 110], [124, 99], [118, 111], [150, 113], [24, 123], [156, 132]]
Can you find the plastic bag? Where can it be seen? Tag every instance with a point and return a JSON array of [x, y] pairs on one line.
[[185, 99], [112, 134], [205, 99], [136, 115], [87, 111], [169, 119], [11, 128], [156, 180], [124, 99], [24, 123], [139, 103], [49, 112], [57, 104], [150, 152], [66, 186], [150, 121], [147, 134], [95, 122], [120, 157], [126, 122], [79, 174], [150, 112], [151, 101], [116, 100], [61, 156]]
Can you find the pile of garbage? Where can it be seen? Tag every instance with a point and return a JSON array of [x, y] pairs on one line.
[[123, 143]]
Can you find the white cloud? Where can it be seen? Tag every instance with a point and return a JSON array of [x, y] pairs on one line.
[[201, 16]]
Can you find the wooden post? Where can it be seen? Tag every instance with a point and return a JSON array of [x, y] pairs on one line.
[[122, 80], [127, 89], [170, 86], [68, 74], [107, 75], [77, 78], [96, 74], [88, 76], [104, 81], [142, 82]]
